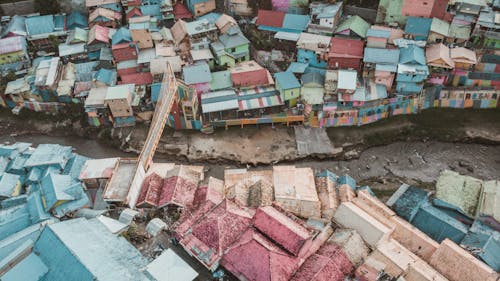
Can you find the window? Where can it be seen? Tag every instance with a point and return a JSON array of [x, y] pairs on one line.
[[233, 50]]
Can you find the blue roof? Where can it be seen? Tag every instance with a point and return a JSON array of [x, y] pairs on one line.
[[211, 17], [297, 67], [378, 33], [328, 174], [155, 91], [49, 155], [419, 27], [287, 80], [40, 25], [76, 19], [74, 166], [106, 76], [382, 56], [59, 22], [16, 165], [412, 55], [346, 179], [112, 6], [151, 10], [8, 184], [196, 73], [54, 189], [30, 268], [35, 207], [438, 225], [122, 35], [407, 200], [296, 22], [13, 220]]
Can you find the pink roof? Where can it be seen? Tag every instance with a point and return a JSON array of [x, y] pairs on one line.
[[208, 235], [439, 52], [250, 78], [281, 229], [150, 191], [254, 257], [330, 263], [417, 8], [270, 18], [98, 33], [181, 12], [11, 44], [395, 33], [143, 78], [346, 48]]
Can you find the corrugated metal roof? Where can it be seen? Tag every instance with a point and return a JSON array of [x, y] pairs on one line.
[[286, 80], [296, 22], [170, 262], [71, 49], [381, 56], [297, 67], [290, 36], [146, 55], [412, 55], [122, 35], [440, 26], [219, 101], [221, 80], [12, 44], [233, 40], [106, 76], [356, 24], [196, 73], [270, 18], [347, 79], [418, 26], [199, 26], [461, 191], [30, 268], [39, 25]]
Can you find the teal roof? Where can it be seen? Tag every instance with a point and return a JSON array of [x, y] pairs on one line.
[[356, 24], [30, 268], [412, 55], [287, 80], [8, 183], [381, 56], [296, 22], [55, 188], [196, 73], [297, 67], [419, 27], [40, 25], [76, 19], [122, 35], [49, 154], [221, 80], [74, 166]]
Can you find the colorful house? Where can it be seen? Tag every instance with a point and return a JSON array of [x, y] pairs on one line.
[[275, 21], [232, 47], [312, 49], [40, 28], [412, 70], [13, 54], [377, 38], [250, 74], [345, 53], [119, 101], [438, 57], [353, 26], [418, 28], [76, 20], [425, 9], [98, 38], [197, 76], [464, 58], [439, 31], [324, 17], [104, 17], [381, 65], [288, 86], [389, 11]]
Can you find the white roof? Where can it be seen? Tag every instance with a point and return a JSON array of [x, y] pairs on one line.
[[146, 55], [313, 42], [168, 265], [96, 96], [51, 76], [98, 168], [219, 103], [120, 92], [203, 54], [159, 65], [347, 79], [114, 226], [287, 36]]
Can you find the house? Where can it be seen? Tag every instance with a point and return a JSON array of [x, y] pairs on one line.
[[119, 100], [104, 17], [197, 75], [439, 55], [203, 55], [17, 91], [425, 9], [40, 28], [232, 47], [122, 35], [138, 79], [459, 32], [418, 28], [275, 21], [396, 33], [73, 52], [463, 58], [250, 188], [288, 86], [106, 77], [353, 26], [484, 32], [439, 31], [312, 49], [412, 70], [98, 38], [16, 27], [185, 112], [312, 90], [238, 7], [347, 82], [125, 51], [194, 35], [389, 12], [210, 230], [76, 20], [377, 38], [324, 17], [13, 54], [250, 74], [219, 105], [295, 190], [96, 109], [48, 74], [200, 7], [345, 53], [142, 37], [225, 22], [381, 65], [221, 80]]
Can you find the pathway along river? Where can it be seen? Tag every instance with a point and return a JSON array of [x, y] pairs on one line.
[[384, 168]]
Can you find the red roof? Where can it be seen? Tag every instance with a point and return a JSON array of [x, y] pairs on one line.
[[281, 229], [134, 12], [181, 12], [143, 78], [270, 18], [346, 48], [250, 78], [330, 263], [254, 257], [210, 233]]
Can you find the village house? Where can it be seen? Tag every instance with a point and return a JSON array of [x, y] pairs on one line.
[[312, 49], [412, 70], [231, 48], [142, 37], [463, 58], [347, 83], [238, 7], [75, 47], [377, 38], [105, 17], [219, 105], [40, 28], [96, 109], [438, 57], [353, 26], [13, 54], [324, 17], [460, 28], [345, 53], [381, 65], [197, 76], [250, 74], [66, 84], [225, 22], [485, 32], [98, 38], [396, 33], [194, 35], [47, 76], [76, 20], [288, 86], [276, 21], [389, 12], [418, 28], [17, 91], [16, 27], [105, 77], [439, 31], [119, 101]]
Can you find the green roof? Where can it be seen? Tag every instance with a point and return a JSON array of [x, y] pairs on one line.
[[461, 191], [221, 80], [440, 27], [356, 24]]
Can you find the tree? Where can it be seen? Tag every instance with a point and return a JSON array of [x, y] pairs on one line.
[[260, 5], [47, 7]]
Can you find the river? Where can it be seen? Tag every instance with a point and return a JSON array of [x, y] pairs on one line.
[[382, 167]]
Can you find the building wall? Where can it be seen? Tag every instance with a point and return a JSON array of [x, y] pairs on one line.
[[435, 37]]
